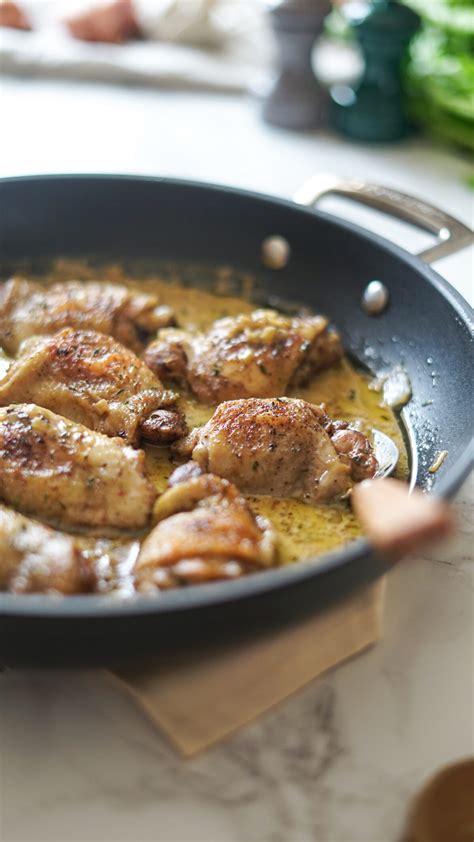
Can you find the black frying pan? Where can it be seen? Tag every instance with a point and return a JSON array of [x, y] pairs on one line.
[[331, 263]]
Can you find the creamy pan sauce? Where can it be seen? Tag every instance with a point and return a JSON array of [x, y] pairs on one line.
[[306, 530], [303, 530]]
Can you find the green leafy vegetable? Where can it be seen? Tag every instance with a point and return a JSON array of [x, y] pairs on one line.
[[439, 77]]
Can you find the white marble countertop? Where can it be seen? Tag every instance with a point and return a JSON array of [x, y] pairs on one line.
[[339, 761]]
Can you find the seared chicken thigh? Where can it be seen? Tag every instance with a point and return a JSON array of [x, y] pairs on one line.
[[36, 559], [94, 380], [262, 354], [29, 309], [61, 471], [206, 531], [283, 447]]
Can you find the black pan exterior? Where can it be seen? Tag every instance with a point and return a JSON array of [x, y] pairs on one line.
[[427, 327]]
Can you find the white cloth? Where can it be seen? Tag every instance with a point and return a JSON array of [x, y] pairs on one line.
[[206, 44], [188, 21]]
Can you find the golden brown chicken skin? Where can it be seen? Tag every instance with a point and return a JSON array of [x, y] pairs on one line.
[[62, 472], [206, 532], [94, 380], [37, 559], [282, 447], [30, 309], [262, 354]]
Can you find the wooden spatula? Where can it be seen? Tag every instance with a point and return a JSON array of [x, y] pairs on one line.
[[399, 522]]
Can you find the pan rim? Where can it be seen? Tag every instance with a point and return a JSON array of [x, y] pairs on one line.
[[441, 284], [187, 600]]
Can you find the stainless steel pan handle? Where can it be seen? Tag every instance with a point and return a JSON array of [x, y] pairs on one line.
[[451, 234]]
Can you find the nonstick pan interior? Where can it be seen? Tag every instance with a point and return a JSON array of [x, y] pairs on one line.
[[426, 328]]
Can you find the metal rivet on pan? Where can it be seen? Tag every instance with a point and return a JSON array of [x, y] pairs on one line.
[[275, 252], [375, 298]]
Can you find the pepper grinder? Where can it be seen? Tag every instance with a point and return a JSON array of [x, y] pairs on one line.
[[373, 108], [296, 101]]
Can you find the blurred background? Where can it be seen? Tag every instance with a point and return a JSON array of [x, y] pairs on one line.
[[425, 46], [248, 92]]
